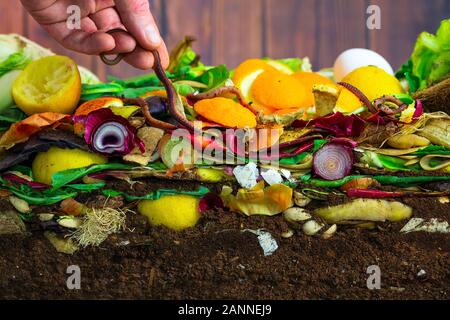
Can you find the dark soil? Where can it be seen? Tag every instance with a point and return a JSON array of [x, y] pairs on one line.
[[217, 260]]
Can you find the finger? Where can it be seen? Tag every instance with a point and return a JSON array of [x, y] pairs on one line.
[[137, 18], [108, 19], [140, 58], [144, 59], [89, 43], [164, 54]]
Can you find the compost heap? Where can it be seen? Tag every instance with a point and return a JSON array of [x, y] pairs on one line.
[[270, 137]]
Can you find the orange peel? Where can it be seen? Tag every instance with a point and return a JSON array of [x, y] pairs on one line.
[[309, 79], [226, 112], [278, 91]]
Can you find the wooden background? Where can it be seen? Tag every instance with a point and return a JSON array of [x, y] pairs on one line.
[[229, 31]]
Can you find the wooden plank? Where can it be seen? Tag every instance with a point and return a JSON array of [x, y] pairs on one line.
[[290, 29], [238, 31], [192, 17], [341, 25], [401, 23], [12, 17]]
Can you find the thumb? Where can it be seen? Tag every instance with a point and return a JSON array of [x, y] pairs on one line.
[[137, 18]]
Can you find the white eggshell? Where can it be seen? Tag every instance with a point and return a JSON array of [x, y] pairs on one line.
[[352, 59]]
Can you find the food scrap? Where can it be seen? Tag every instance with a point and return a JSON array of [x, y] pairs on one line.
[[272, 137]]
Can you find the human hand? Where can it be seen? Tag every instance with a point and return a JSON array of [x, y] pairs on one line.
[[98, 17]]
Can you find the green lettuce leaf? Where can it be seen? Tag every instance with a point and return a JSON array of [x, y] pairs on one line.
[[62, 178], [215, 77], [16, 61], [430, 60]]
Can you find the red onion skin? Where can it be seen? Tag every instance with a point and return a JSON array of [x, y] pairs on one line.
[[94, 120], [419, 110], [35, 185], [372, 194], [321, 157]]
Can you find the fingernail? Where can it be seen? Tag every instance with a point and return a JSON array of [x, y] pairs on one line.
[[153, 36]]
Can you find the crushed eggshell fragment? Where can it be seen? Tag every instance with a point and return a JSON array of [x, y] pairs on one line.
[[266, 241], [271, 176], [247, 175], [432, 226]]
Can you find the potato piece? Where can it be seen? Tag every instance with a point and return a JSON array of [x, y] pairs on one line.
[[365, 210], [325, 97], [408, 141]]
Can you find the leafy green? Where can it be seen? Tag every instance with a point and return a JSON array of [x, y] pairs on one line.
[[62, 178], [16, 61], [381, 161], [432, 150], [215, 77], [296, 64], [318, 144], [294, 160], [430, 60], [9, 116], [183, 56], [156, 194], [384, 180], [87, 187]]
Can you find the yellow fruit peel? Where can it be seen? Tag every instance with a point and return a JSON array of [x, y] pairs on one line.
[[259, 200], [50, 84], [176, 212], [46, 164], [278, 91], [365, 210]]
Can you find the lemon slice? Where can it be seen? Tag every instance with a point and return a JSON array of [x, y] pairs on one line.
[[50, 84]]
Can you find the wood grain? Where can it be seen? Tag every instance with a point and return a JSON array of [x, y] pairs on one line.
[[291, 29], [402, 23], [237, 31], [229, 31], [341, 25], [192, 17]]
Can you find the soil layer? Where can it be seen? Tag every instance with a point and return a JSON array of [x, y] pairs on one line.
[[218, 260]]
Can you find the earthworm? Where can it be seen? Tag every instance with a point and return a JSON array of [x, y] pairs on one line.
[[172, 96], [380, 104], [360, 95], [148, 116]]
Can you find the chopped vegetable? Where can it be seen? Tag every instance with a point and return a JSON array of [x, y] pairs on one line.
[[437, 131], [333, 161], [408, 141], [365, 210], [259, 200], [109, 134], [23, 130]]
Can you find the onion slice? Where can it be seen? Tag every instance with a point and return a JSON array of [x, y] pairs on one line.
[[333, 161], [109, 134]]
